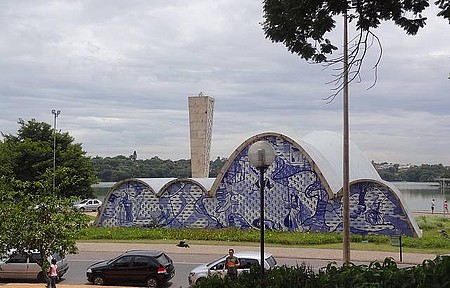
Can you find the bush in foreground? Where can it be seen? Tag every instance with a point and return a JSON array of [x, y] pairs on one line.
[[429, 274]]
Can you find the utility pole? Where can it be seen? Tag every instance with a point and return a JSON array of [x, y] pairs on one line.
[[345, 152], [55, 115]]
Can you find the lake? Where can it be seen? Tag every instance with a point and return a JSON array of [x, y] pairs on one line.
[[417, 195]]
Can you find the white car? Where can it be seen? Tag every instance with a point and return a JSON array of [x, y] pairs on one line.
[[88, 205], [246, 260], [22, 266]]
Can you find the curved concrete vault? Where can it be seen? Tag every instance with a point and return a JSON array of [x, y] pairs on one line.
[[303, 193]]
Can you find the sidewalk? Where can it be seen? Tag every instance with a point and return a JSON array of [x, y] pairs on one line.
[[278, 252]]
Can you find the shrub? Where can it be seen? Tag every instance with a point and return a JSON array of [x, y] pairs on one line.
[[430, 274]]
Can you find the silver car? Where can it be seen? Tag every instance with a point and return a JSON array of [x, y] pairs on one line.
[[20, 266], [88, 205], [246, 260]]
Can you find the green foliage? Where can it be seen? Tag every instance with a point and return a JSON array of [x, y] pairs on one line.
[[38, 221], [303, 26], [232, 235], [444, 6], [113, 169], [435, 238], [422, 173], [28, 156], [118, 168], [428, 223], [429, 274]]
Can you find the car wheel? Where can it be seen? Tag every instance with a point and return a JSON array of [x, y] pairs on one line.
[[152, 282], [200, 280], [82, 209], [41, 277], [98, 280]]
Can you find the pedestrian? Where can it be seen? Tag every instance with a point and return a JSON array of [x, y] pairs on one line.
[[53, 273], [445, 207], [432, 206], [231, 264]]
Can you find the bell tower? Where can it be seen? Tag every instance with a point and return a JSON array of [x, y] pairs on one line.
[[201, 110]]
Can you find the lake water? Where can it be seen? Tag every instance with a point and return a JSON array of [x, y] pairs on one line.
[[417, 195], [101, 189]]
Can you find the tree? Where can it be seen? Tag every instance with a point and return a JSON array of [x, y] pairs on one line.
[[28, 156], [37, 222], [303, 26]]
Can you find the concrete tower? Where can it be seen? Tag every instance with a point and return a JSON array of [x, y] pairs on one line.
[[201, 110]]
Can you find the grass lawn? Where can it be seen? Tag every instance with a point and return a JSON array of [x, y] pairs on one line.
[[435, 239]]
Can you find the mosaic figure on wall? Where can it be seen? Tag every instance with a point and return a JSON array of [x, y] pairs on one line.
[[297, 198]]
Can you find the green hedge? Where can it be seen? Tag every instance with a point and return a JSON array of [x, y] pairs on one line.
[[430, 274]]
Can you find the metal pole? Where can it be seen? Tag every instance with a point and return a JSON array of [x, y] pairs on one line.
[[55, 115], [261, 240], [345, 162]]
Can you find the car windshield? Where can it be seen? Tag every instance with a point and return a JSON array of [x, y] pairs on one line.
[[114, 259], [211, 263], [36, 257], [83, 201], [57, 257], [163, 259]]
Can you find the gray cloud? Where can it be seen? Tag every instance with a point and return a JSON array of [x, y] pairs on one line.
[[121, 72]]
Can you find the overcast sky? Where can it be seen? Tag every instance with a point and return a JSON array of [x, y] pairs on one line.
[[121, 73]]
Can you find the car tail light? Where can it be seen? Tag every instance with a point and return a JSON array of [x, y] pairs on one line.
[[162, 270]]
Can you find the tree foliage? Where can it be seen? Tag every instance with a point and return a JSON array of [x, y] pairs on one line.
[[109, 169], [113, 169], [302, 26], [28, 156], [416, 173], [37, 222]]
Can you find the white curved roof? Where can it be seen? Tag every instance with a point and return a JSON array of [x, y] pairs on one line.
[[158, 183], [325, 149], [206, 182]]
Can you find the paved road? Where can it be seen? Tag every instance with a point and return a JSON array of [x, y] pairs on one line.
[[89, 252], [183, 262]]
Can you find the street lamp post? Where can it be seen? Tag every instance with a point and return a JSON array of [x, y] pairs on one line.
[[261, 155], [55, 115]]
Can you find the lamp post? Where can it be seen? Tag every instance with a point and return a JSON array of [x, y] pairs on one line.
[[55, 115], [261, 155]]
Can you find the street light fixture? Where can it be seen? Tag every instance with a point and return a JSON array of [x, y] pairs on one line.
[[55, 115], [261, 156]]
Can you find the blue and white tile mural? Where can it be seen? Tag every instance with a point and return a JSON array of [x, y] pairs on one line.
[[296, 198]]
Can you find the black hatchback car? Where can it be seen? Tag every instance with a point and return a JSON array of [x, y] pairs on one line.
[[153, 268]]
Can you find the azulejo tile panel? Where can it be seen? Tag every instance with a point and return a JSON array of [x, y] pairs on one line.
[[295, 196]]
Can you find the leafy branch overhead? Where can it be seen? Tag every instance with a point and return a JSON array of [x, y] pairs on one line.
[[302, 26]]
